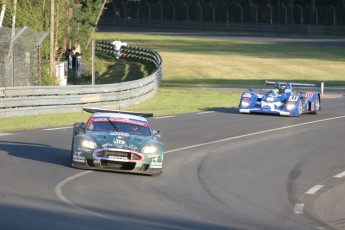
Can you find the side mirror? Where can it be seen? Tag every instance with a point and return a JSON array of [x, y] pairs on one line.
[[79, 128], [80, 125], [157, 133]]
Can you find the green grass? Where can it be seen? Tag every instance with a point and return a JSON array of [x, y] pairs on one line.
[[170, 101], [193, 62]]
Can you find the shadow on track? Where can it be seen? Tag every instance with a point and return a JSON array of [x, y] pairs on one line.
[[37, 152], [232, 110]]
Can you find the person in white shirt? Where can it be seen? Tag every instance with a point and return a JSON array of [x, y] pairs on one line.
[[117, 46]]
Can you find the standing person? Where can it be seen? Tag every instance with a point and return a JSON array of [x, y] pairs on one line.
[[70, 59], [117, 46]]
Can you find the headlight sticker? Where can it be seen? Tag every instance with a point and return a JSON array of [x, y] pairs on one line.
[[156, 163]]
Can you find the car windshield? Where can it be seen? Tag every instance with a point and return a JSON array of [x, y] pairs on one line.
[[110, 126]]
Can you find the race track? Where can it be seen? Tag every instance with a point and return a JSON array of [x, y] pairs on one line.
[[223, 170]]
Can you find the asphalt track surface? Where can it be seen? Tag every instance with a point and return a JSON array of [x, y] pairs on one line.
[[222, 170]]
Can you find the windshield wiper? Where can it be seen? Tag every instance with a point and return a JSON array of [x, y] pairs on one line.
[[112, 124]]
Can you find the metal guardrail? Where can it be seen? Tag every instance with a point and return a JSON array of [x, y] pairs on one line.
[[32, 100]]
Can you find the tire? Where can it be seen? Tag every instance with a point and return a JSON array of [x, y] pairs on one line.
[[317, 105], [300, 108], [71, 158]]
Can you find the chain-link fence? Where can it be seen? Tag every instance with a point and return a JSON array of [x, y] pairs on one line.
[[20, 57]]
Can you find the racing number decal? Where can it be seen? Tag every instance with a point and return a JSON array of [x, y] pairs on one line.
[[293, 98]]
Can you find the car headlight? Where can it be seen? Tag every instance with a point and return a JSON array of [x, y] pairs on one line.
[[150, 150], [245, 103], [290, 106], [89, 144]]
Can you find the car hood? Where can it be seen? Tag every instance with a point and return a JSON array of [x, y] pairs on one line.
[[119, 140]]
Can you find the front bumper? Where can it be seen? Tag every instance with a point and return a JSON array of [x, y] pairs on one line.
[[261, 111], [117, 160]]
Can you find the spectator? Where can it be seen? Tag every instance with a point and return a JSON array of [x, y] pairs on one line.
[[77, 60], [117, 46], [69, 57]]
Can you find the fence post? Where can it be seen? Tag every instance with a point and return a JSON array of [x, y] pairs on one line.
[[93, 62]]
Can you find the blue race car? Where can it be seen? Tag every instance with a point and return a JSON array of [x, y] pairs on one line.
[[281, 100]]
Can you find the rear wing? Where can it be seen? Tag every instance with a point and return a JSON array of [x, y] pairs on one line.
[[97, 110], [321, 85]]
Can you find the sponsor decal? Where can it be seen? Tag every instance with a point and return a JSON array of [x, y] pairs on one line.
[[120, 119], [309, 94], [247, 95], [133, 147], [77, 157], [119, 134], [119, 142], [107, 145], [117, 157], [155, 163]]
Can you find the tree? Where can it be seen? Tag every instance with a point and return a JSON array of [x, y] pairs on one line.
[[52, 41], [74, 21], [3, 10]]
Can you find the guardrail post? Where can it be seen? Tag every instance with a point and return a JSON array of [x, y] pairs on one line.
[[161, 7], [301, 13], [271, 12], [285, 13], [241, 9], [149, 9], [316, 11], [174, 10], [334, 14], [213, 12], [200, 10], [256, 12], [187, 11]]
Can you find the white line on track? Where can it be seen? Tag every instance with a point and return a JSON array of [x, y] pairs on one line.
[[298, 206], [251, 134], [205, 112], [163, 117], [67, 127], [5, 134], [340, 175], [314, 189], [58, 192]]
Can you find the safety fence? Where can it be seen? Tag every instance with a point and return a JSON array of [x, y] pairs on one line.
[[266, 28], [20, 62], [32, 100]]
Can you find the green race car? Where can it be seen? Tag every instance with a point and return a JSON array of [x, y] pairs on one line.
[[117, 141]]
